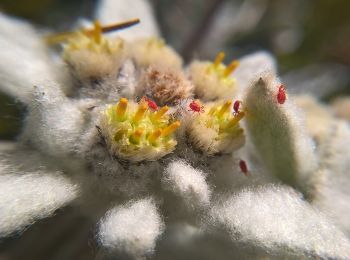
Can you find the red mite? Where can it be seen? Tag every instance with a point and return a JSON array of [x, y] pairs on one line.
[[281, 95], [151, 103], [243, 166], [236, 106], [196, 107]]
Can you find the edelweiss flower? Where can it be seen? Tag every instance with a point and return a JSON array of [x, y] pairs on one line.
[[210, 162]]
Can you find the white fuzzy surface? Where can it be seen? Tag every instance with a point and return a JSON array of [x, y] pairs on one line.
[[132, 228], [28, 195], [279, 134], [333, 182], [112, 11], [278, 219], [54, 125], [24, 61], [188, 183]]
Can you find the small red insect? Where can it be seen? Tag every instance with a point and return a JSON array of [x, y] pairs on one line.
[[243, 166], [151, 103], [281, 95], [196, 107], [236, 106]]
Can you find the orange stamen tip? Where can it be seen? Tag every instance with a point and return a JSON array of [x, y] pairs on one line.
[[154, 136], [170, 129], [121, 108], [161, 112], [64, 36], [136, 136], [219, 58], [143, 106], [231, 67], [225, 108]]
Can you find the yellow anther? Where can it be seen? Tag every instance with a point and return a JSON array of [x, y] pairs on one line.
[[225, 108], [170, 129], [153, 41], [212, 111], [234, 121], [219, 58], [230, 68], [152, 138], [160, 113], [140, 112], [121, 109], [97, 33], [61, 37], [135, 138]]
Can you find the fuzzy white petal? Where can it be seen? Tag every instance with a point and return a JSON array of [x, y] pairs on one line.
[[112, 11], [55, 124], [28, 190], [188, 183], [332, 188], [278, 219], [131, 229], [279, 134], [24, 61]]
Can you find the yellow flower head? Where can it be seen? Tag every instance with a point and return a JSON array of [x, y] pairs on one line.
[[90, 55], [213, 80], [215, 129], [154, 52], [137, 131]]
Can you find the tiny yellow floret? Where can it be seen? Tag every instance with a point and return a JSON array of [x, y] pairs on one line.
[[170, 129], [121, 109], [216, 129], [213, 80]]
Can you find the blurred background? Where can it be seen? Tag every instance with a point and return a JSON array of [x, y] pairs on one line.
[[309, 39]]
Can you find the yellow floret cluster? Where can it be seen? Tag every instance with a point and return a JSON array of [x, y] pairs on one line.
[[216, 129], [135, 132], [93, 41], [213, 80]]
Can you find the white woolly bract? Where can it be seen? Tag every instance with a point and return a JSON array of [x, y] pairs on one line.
[[318, 118], [54, 125], [113, 11], [154, 52], [24, 61], [278, 133], [29, 196], [209, 85], [188, 183], [132, 228], [333, 181], [278, 219]]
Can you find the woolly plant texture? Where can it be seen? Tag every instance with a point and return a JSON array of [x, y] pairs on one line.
[[209, 161]]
